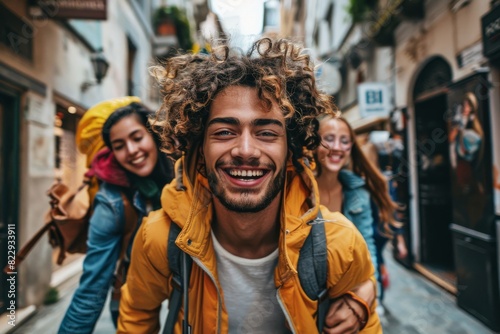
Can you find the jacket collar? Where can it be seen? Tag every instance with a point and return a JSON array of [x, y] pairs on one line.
[[188, 203], [350, 180]]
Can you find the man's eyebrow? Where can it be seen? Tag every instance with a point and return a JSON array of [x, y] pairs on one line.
[[267, 121], [224, 120], [256, 122]]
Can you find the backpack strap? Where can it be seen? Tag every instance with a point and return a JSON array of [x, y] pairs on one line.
[[313, 255], [180, 264], [130, 225]]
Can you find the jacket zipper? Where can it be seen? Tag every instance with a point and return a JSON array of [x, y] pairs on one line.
[[202, 266], [287, 316]]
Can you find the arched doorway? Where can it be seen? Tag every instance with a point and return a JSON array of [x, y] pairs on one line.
[[433, 166]]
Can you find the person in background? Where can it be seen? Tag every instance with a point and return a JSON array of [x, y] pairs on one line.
[[381, 238], [391, 156], [242, 199], [130, 164], [466, 139], [349, 183]]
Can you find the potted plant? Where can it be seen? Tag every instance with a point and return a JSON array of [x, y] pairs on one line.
[[170, 20], [164, 20], [360, 9]]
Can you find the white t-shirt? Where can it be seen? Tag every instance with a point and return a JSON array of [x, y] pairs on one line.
[[249, 292]]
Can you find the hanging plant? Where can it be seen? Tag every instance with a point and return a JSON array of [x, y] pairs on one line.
[[170, 20], [360, 9]]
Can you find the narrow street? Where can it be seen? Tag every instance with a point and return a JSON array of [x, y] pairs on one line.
[[416, 305], [413, 306], [415, 82]]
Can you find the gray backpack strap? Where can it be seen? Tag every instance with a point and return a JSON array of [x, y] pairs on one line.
[[313, 255], [180, 265]]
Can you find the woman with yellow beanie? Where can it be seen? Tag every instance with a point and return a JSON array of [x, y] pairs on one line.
[[123, 153]]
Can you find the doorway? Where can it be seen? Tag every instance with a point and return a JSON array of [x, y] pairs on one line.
[[9, 184], [434, 194], [433, 166]]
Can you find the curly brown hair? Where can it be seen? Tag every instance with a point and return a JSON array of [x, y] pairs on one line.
[[279, 70]]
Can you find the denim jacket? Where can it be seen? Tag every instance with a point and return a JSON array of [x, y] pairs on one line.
[[104, 245], [356, 207]]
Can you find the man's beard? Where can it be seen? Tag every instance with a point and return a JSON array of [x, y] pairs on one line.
[[242, 204]]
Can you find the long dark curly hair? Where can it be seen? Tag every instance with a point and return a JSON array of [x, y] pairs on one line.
[[279, 70]]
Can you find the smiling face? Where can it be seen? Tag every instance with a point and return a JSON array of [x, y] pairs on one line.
[[245, 150], [335, 149], [133, 146]]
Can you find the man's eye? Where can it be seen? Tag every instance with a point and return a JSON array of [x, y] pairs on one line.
[[223, 133], [267, 134]]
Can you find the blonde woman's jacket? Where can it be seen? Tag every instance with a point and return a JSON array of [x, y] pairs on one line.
[[188, 204]]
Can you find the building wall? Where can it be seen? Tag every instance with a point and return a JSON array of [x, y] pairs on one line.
[[441, 33], [61, 61]]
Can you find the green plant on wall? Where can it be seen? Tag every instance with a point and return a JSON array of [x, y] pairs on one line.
[[360, 9], [172, 15], [51, 296]]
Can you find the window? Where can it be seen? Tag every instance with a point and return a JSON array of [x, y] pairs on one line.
[[89, 31], [16, 33]]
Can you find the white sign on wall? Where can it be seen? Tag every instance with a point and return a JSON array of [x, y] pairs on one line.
[[40, 150], [374, 99], [38, 110]]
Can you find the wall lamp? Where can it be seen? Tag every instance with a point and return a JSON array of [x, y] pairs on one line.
[[100, 66]]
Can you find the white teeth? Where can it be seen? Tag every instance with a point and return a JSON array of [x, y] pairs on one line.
[[246, 173], [138, 160]]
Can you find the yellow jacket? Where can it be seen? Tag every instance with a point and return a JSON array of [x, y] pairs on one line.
[[189, 204]]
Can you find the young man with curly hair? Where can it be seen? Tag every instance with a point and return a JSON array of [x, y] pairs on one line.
[[243, 197]]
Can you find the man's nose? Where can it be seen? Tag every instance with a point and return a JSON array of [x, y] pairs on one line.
[[246, 147]]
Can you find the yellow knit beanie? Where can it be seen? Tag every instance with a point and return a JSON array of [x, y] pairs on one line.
[[88, 133]]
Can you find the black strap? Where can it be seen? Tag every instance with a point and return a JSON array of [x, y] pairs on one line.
[[179, 263], [314, 255]]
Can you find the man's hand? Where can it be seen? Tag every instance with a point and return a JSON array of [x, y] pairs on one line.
[[342, 317]]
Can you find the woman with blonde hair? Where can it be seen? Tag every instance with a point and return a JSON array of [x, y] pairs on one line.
[[350, 183]]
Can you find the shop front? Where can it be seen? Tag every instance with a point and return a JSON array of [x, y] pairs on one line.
[[455, 127], [473, 215], [490, 28], [454, 194], [432, 168], [453, 148]]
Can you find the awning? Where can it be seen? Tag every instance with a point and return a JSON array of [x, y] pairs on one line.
[[367, 123]]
